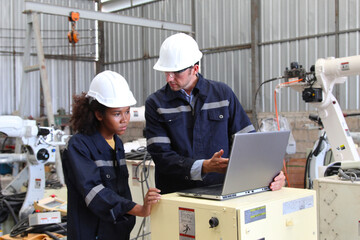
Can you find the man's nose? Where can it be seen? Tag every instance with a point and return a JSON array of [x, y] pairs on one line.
[[169, 76]]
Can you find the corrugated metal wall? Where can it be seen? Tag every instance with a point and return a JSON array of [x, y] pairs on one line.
[[303, 31], [61, 69], [290, 30]]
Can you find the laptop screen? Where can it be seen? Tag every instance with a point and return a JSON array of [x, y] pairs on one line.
[[255, 159]]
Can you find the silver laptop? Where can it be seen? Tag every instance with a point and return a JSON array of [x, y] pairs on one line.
[[255, 159]]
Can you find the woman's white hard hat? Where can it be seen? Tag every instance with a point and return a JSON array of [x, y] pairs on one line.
[[111, 89], [177, 52]]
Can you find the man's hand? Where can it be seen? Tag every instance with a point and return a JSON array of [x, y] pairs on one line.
[[216, 163], [279, 182]]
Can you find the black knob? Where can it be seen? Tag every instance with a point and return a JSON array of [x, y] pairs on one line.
[[43, 154], [213, 222]]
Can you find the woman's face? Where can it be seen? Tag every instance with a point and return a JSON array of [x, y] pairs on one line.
[[113, 121]]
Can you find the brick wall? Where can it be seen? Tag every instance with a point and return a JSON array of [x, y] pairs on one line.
[[305, 135], [304, 131]]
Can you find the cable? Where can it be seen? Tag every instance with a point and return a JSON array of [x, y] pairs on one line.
[[256, 93], [278, 124], [278, 86], [307, 168], [351, 114], [11, 204], [141, 176], [137, 154], [349, 174], [11, 211], [22, 227], [51, 235]]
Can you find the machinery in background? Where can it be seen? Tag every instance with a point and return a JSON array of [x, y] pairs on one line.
[[51, 204], [336, 219], [38, 148], [338, 205], [316, 88], [321, 155]]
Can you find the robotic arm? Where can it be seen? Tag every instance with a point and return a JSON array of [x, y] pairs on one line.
[[317, 90], [40, 145], [328, 73]]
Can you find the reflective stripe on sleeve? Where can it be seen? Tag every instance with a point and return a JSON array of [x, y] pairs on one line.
[[213, 105], [247, 129], [122, 161], [158, 140], [90, 196], [174, 110]]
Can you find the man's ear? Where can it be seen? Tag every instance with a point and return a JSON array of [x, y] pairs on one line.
[[196, 68], [98, 116]]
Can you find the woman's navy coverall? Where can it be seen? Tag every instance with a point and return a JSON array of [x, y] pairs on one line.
[[98, 192], [178, 134]]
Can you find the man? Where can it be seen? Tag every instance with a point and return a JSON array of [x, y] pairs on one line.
[[191, 120]]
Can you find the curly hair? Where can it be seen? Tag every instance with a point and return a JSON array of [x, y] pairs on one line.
[[83, 118]]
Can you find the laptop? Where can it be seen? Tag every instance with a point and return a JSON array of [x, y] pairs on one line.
[[255, 159]]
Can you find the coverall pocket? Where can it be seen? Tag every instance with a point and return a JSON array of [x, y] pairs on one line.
[[218, 114], [109, 177], [218, 125]]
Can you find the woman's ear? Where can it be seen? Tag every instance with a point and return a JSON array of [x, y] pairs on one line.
[[98, 116]]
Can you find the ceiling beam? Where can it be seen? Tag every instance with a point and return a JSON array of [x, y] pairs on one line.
[[106, 17], [117, 5]]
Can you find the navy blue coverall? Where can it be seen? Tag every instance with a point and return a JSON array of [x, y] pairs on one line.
[[98, 192], [178, 134]]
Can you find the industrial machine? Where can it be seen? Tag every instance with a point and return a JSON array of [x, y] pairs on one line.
[[338, 195], [316, 88], [289, 213], [339, 203], [39, 146]]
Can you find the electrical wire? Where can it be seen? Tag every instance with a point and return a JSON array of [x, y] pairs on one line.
[[276, 112], [23, 228], [146, 160], [278, 124], [278, 86], [256, 93], [307, 169], [349, 174], [11, 204]]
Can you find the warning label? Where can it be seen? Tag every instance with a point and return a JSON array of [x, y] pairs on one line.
[[345, 66], [186, 223]]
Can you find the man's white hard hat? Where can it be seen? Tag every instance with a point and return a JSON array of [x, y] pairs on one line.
[[111, 89], [177, 52]]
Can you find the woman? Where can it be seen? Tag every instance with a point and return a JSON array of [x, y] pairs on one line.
[[99, 199]]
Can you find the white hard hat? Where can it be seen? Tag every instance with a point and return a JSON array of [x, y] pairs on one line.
[[111, 89], [177, 52]]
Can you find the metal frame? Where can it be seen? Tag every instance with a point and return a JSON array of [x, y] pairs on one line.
[[32, 9], [105, 17]]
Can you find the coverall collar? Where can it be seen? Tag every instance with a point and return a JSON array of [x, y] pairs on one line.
[[101, 144], [200, 88]]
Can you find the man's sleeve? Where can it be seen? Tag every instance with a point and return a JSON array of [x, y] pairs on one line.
[[239, 121]]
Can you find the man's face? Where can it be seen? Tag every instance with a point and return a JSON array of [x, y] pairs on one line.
[[182, 79]]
